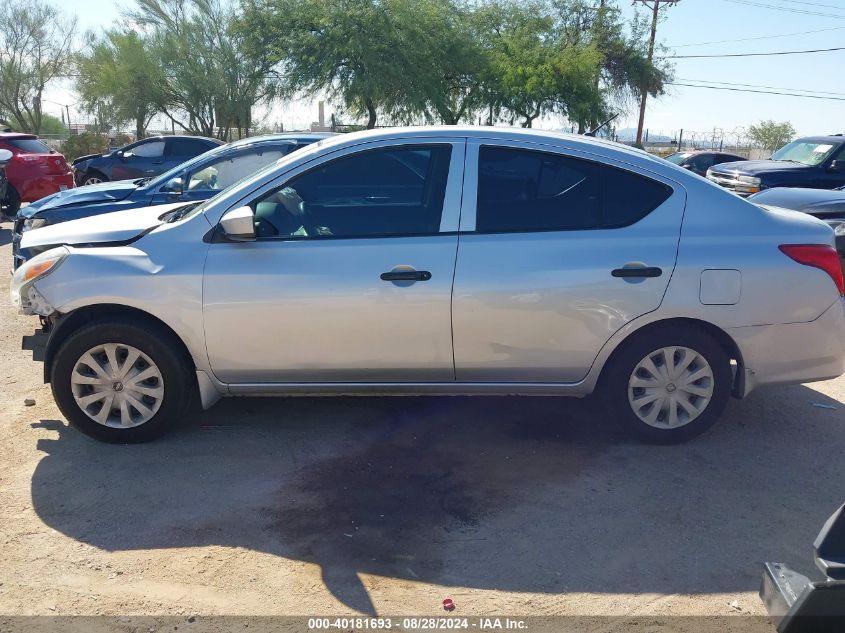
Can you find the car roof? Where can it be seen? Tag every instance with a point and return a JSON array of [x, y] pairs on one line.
[[831, 138], [161, 137], [283, 136], [589, 144], [14, 135]]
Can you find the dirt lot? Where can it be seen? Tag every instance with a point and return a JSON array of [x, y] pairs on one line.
[[330, 506]]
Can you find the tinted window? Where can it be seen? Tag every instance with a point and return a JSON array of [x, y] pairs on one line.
[[29, 145], [520, 190], [396, 191], [225, 171], [702, 162], [187, 147], [728, 159], [152, 149]]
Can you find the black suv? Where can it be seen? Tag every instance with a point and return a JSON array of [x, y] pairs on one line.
[[143, 159], [815, 162]]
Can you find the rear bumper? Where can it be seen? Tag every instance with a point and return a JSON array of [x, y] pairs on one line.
[[793, 352], [44, 185]]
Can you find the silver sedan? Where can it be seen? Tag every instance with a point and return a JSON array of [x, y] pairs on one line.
[[451, 260]]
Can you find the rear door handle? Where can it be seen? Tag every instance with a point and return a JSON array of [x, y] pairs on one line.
[[406, 275], [647, 271]]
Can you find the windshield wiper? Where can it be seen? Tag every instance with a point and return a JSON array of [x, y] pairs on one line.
[[141, 181], [178, 214]]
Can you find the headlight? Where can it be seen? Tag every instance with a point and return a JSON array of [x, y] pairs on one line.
[[34, 223], [748, 184], [21, 289]]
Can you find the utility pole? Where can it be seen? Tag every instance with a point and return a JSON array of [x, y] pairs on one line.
[[654, 5]]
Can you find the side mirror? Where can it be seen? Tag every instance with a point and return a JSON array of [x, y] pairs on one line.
[[5, 157], [687, 166], [838, 166], [239, 224], [173, 187]]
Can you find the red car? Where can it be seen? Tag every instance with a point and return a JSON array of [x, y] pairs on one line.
[[35, 170]]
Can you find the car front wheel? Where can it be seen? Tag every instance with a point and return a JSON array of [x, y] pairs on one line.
[[668, 385], [121, 381]]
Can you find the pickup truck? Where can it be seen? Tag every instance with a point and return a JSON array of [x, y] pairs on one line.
[[815, 162]]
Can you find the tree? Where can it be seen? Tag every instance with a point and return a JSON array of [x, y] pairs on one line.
[[771, 135], [119, 81], [36, 42], [362, 53], [534, 71], [207, 74]]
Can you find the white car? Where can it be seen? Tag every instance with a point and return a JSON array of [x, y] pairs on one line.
[[447, 260]]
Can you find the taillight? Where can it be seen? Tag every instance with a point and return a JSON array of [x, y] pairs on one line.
[[821, 256]]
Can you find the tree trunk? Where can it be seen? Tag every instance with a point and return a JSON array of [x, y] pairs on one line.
[[371, 113], [140, 128]]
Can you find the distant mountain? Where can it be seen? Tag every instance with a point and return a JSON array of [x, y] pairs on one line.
[[630, 134]]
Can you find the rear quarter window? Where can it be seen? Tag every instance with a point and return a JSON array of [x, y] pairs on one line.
[[531, 191]]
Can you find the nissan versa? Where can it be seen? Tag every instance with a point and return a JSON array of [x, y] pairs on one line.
[[438, 261]]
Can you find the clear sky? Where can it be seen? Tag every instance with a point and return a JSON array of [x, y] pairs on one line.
[[689, 22]]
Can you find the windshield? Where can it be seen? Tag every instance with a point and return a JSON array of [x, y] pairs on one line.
[[804, 152], [677, 157], [260, 175], [176, 171]]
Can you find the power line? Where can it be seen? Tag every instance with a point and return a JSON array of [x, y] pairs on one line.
[[750, 3], [817, 4], [751, 39], [815, 50], [728, 83], [764, 92]]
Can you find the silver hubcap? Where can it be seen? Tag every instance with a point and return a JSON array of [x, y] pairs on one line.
[[670, 387], [117, 385], [93, 180]]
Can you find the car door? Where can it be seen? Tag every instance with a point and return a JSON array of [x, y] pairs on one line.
[[140, 161], [557, 252], [350, 276]]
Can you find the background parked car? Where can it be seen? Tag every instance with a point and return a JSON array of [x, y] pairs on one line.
[[142, 159], [699, 161], [197, 179], [817, 162], [828, 205], [34, 171]]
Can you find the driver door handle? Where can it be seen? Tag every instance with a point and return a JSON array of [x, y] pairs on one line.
[[406, 275], [646, 271]]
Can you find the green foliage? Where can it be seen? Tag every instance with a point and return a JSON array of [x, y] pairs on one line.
[[119, 81], [35, 45], [52, 126], [207, 74], [84, 144], [772, 135]]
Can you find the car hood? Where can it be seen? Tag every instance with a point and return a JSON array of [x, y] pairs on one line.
[[109, 228], [754, 167], [102, 192], [812, 201], [82, 159]]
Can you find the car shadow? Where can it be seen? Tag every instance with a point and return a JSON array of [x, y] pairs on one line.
[[516, 494], [5, 233]]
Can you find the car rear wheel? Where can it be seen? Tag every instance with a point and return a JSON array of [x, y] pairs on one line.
[[121, 381], [668, 385], [93, 178]]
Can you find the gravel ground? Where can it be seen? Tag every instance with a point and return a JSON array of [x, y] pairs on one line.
[[386, 506]]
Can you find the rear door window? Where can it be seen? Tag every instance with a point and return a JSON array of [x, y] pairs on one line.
[[527, 191], [187, 147]]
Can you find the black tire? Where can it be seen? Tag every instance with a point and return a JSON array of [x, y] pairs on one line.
[[158, 344], [614, 383], [12, 203], [101, 177]]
